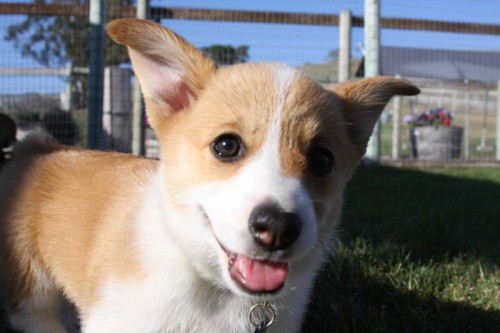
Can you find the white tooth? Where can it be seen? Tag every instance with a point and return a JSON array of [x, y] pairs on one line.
[[232, 257]]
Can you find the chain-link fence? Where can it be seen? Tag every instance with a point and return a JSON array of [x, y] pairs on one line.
[[44, 66]]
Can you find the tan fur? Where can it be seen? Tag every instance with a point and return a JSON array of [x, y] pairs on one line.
[[189, 160], [54, 204]]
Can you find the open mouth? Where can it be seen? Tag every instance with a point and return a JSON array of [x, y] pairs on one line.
[[256, 276]]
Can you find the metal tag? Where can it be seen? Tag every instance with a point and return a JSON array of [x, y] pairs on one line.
[[265, 310]]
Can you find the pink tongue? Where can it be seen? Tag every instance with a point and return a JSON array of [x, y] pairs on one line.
[[257, 275]]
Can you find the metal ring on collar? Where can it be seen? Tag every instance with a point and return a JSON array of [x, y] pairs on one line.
[[266, 308]]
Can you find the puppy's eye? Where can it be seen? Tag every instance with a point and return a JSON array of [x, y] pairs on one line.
[[320, 161], [228, 148]]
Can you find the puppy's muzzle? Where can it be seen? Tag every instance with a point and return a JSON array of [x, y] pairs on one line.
[[274, 229]]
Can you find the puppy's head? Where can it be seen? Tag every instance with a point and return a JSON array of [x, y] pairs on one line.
[[255, 156]]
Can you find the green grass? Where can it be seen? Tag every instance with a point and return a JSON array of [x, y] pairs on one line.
[[419, 251]]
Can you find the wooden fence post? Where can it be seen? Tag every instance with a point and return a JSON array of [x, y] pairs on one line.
[[396, 126], [345, 27], [138, 103], [467, 120], [372, 67], [497, 146]]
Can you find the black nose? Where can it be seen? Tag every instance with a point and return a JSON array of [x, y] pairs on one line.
[[274, 229]]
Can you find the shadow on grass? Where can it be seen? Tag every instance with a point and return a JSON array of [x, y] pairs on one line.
[[433, 216], [424, 220], [347, 300]]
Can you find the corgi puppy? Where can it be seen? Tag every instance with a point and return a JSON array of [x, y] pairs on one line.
[[231, 223]]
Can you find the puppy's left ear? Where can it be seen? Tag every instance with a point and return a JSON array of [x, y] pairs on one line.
[[171, 71], [363, 101]]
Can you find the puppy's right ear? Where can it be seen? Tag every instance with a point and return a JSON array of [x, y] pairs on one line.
[[363, 101], [171, 71]]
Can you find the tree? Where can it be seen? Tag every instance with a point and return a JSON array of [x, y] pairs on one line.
[[59, 40], [226, 54]]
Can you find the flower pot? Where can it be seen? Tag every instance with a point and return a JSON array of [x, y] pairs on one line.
[[436, 143]]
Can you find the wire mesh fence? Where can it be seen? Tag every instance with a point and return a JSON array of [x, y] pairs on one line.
[[44, 64]]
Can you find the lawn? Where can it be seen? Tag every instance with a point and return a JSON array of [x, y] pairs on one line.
[[419, 251]]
